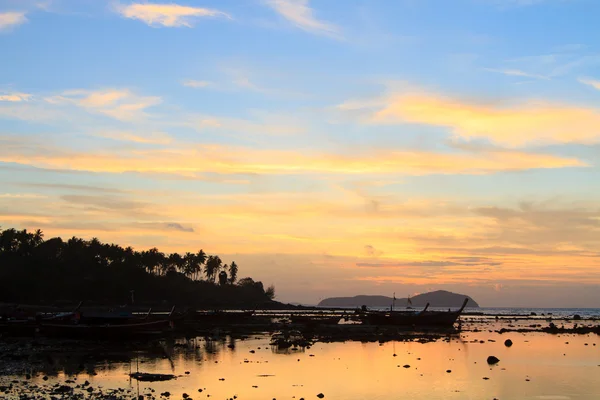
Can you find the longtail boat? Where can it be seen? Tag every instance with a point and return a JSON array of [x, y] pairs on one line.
[[424, 318], [118, 331]]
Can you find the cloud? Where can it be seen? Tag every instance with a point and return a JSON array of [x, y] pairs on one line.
[[516, 72], [170, 15], [513, 125], [142, 138], [193, 159], [165, 226], [14, 97], [113, 203], [196, 84], [590, 82], [372, 251], [400, 264], [120, 104], [302, 16], [10, 20], [69, 187]]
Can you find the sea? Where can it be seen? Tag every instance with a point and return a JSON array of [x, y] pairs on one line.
[[510, 311]]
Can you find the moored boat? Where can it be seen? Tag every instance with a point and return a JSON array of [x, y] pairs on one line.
[[117, 331], [424, 318]]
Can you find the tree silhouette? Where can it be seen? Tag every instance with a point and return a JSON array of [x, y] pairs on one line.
[[222, 278], [270, 292], [212, 267], [233, 271], [38, 271], [200, 260]]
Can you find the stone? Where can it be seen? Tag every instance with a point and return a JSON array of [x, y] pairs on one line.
[[492, 360], [508, 343], [320, 395]]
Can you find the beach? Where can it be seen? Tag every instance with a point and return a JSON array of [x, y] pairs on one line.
[[223, 364]]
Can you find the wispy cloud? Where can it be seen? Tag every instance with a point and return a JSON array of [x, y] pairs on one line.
[[12, 19], [169, 15], [142, 138], [511, 124], [190, 160], [590, 82], [299, 13], [120, 104], [14, 97], [196, 84], [516, 72]]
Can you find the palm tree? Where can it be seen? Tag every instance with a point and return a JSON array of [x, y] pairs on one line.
[[233, 271], [189, 264], [200, 260], [152, 259], [38, 238], [212, 267]]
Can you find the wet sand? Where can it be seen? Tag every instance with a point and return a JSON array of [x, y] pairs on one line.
[[537, 366]]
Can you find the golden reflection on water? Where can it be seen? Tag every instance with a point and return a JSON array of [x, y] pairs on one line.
[[537, 366]]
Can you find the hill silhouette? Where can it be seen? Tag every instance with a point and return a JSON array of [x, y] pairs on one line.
[[53, 271], [438, 298]]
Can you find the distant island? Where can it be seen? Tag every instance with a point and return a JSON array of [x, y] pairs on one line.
[[438, 298]]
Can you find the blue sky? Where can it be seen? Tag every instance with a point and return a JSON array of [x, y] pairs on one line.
[[316, 137]]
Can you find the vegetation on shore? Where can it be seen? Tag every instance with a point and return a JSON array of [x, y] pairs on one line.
[[38, 271]]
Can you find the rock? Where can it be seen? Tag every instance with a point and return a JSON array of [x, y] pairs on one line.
[[165, 394], [145, 377], [252, 351], [508, 343], [187, 372], [577, 317], [406, 366], [185, 395], [492, 360], [448, 371], [199, 390], [62, 389], [320, 395], [485, 378]]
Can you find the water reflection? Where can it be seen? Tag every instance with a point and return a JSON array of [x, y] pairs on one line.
[[537, 366]]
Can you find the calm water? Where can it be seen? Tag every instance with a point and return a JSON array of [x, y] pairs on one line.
[[555, 312], [537, 366]]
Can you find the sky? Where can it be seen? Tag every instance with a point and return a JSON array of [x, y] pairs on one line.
[[329, 147]]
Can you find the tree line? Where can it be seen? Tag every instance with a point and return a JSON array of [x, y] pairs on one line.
[[25, 257]]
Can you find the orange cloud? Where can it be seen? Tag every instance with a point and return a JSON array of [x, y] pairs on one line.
[[510, 125], [9, 20], [170, 15], [223, 159]]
